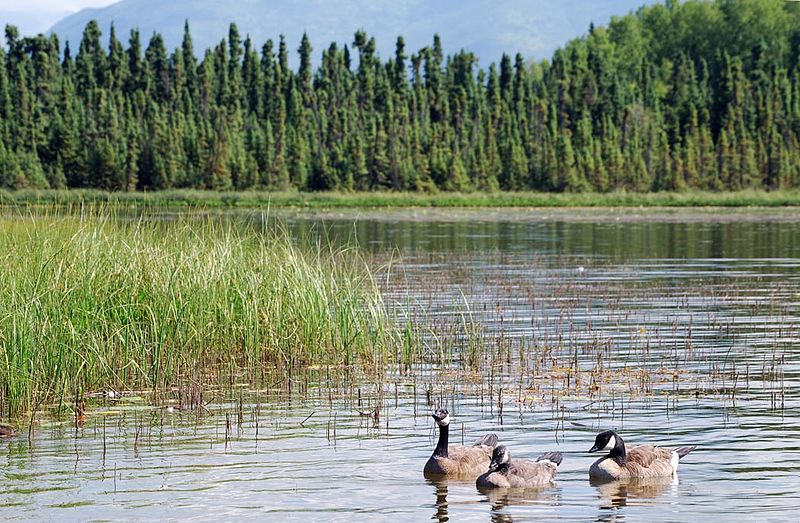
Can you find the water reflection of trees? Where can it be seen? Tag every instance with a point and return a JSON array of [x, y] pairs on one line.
[[661, 238]]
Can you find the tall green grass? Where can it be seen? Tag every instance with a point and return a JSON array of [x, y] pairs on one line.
[[245, 199], [90, 302]]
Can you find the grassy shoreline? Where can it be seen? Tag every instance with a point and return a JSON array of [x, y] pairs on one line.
[[90, 303], [263, 199]]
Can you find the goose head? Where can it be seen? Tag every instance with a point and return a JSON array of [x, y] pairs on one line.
[[501, 457], [607, 440], [442, 417]]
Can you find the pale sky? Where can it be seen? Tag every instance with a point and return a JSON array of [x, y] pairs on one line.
[[36, 16]]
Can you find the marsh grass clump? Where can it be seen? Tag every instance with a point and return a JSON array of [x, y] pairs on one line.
[[92, 302]]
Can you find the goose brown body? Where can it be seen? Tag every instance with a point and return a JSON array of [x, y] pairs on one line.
[[458, 461], [641, 461], [461, 461], [519, 473]]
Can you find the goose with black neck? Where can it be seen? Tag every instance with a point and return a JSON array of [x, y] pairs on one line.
[[641, 461], [458, 461]]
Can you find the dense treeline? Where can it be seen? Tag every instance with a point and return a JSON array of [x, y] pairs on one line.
[[684, 95]]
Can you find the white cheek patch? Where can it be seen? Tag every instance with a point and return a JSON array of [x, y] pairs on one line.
[[612, 442], [444, 421]]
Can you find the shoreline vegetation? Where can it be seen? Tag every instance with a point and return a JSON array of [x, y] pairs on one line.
[[94, 304], [188, 198], [678, 96]]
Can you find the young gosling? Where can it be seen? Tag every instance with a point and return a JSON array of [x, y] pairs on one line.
[[7, 431]]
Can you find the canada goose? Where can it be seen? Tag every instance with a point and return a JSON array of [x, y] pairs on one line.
[[458, 460], [642, 461], [520, 473], [7, 431]]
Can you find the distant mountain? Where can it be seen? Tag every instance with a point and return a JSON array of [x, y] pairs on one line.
[[533, 27]]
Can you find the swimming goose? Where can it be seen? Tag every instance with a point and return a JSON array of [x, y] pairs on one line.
[[642, 461], [520, 473], [458, 460]]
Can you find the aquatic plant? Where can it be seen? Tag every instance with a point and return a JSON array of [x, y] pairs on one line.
[[93, 302]]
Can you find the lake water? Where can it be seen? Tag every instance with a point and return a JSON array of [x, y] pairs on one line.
[[674, 327]]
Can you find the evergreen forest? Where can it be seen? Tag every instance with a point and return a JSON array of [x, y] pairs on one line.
[[681, 95]]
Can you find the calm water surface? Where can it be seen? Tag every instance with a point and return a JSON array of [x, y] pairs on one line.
[[675, 327]]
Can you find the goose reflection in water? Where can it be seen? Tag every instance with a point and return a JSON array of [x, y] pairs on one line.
[[441, 500], [502, 498], [499, 499], [634, 491]]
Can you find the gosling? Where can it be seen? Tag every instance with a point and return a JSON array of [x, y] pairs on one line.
[[520, 473], [642, 461], [7, 431], [458, 461]]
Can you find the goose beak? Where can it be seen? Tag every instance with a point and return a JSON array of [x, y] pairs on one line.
[[594, 449], [493, 466]]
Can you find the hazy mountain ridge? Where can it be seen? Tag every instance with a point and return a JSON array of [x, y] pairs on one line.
[[533, 27]]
